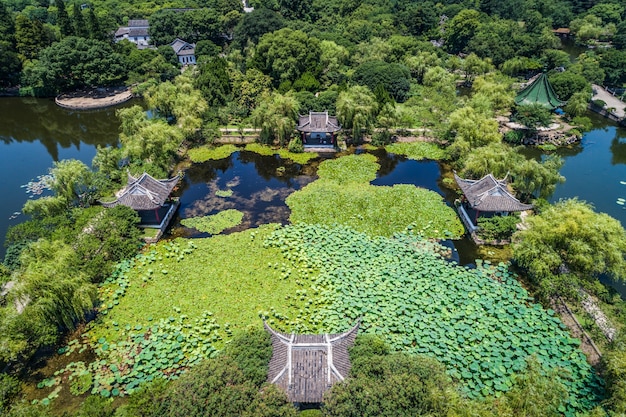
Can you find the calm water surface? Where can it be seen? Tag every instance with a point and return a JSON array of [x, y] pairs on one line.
[[36, 132]]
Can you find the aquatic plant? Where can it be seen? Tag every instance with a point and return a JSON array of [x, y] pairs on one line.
[[343, 195], [215, 223], [481, 324], [301, 158], [206, 153], [418, 150], [224, 193]]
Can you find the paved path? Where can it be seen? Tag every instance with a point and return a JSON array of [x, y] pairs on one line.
[[600, 93]]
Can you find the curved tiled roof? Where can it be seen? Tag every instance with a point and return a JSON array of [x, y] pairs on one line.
[[318, 122], [490, 195], [144, 192], [305, 366]]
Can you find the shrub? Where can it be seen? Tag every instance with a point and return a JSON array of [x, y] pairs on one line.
[[381, 138], [295, 145], [514, 137], [497, 227], [9, 388]]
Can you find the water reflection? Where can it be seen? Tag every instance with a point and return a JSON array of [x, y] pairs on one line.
[[259, 185], [30, 120]]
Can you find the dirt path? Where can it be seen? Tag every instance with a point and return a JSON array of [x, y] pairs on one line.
[[586, 344]]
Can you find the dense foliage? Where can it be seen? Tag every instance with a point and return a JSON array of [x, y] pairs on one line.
[[480, 323], [569, 242]]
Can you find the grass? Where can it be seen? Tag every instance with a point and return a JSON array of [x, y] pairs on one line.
[[299, 158], [418, 150], [206, 153], [215, 223], [233, 276], [149, 232], [343, 195]]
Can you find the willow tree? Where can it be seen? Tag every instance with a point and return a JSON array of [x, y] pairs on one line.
[[529, 177], [356, 109], [276, 117], [569, 243]]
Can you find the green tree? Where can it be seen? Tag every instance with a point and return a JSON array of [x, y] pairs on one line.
[[276, 117], [249, 88], [256, 24], [63, 19], [532, 115], [80, 26], [528, 176], [72, 63], [613, 62], [391, 385], [471, 129], [214, 82], [577, 104], [565, 84], [356, 110], [395, 78], [472, 66], [30, 37], [286, 54], [461, 29], [569, 242], [95, 30]]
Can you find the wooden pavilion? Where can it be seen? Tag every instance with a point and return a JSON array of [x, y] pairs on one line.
[[318, 129], [487, 195], [305, 366], [150, 198]]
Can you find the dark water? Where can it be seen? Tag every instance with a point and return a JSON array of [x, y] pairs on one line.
[[36, 132], [259, 185]]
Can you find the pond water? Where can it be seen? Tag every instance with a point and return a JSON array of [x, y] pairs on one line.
[[36, 132], [259, 185]]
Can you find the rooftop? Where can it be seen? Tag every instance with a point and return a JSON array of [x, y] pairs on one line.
[[540, 91], [490, 195], [305, 366], [144, 193], [318, 122]]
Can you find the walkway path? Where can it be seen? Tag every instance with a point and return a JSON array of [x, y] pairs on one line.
[[599, 93]]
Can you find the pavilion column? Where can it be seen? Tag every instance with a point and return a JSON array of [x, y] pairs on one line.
[[476, 217], [156, 212]]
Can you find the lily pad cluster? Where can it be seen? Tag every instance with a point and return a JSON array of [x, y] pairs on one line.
[[215, 223], [343, 195], [481, 324]]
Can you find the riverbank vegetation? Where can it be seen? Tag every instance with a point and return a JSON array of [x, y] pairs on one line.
[[447, 71]]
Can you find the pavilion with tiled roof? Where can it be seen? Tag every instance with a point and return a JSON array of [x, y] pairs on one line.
[[150, 198], [486, 195], [305, 366], [318, 129]]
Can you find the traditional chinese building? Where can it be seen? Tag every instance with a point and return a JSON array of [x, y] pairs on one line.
[[539, 91], [487, 196], [305, 366], [185, 51], [136, 32], [150, 198], [318, 129]]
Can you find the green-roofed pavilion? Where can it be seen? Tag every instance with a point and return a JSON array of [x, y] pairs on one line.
[[540, 91]]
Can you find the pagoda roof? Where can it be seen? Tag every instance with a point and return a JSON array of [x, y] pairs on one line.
[[144, 192], [490, 195], [318, 122], [305, 366], [539, 91]]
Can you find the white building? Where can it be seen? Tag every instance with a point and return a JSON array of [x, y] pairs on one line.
[[136, 32], [186, 52]]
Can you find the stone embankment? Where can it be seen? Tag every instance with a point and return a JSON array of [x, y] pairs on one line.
[[94, 99]]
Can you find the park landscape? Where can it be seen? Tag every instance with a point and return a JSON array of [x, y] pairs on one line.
[[97, 323]]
